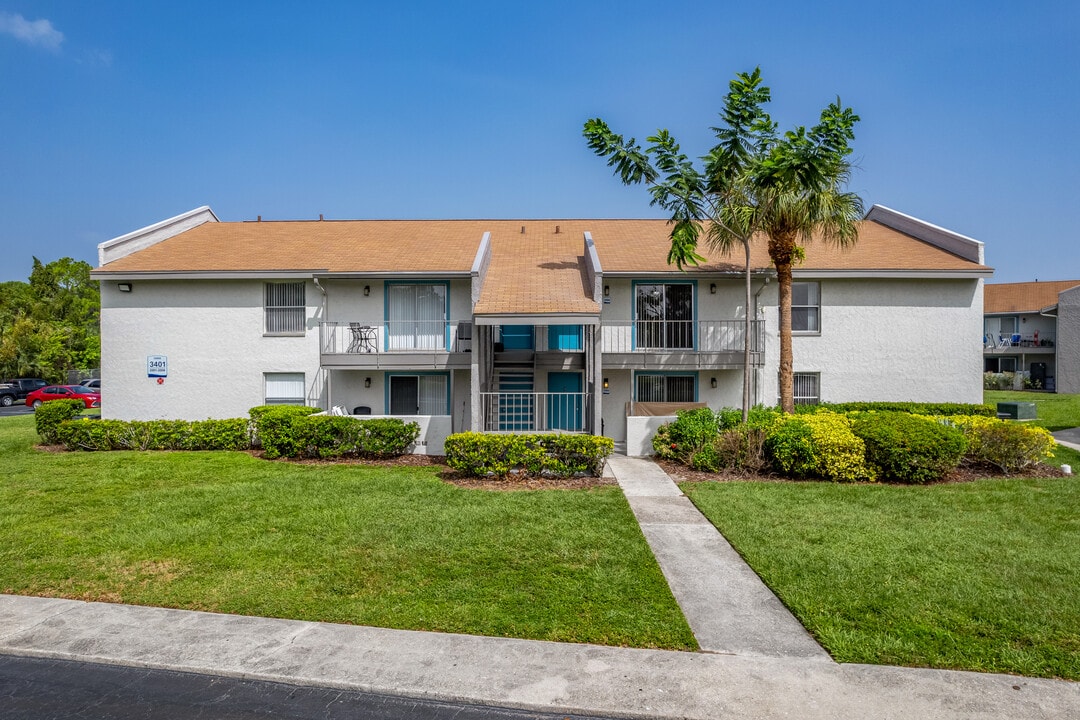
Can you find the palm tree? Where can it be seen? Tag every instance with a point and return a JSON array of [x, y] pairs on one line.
[[719, 195], [798, 188], [788, 188]]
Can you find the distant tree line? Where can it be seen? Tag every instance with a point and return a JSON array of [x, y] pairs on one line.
[[49, 326]]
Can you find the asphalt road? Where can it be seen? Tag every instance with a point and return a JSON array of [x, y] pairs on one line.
[[43, 689], [17, 409]]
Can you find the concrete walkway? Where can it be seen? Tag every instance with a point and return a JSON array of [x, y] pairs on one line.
[[727, 605], [541, 676], [1069, 438]]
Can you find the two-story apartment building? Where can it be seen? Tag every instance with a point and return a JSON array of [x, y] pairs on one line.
[[496, 325], [1033, 328]]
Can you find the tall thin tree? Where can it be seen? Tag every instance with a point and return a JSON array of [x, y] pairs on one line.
[[788, 188]]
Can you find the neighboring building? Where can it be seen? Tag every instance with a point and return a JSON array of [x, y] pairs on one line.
[[578, 325], [1033, 328]]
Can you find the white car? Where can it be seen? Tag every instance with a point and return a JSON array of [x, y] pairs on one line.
[[94, 384]]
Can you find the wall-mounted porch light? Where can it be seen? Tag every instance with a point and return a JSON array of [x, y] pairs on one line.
[[605, 384], [367, 290], [712, 288], [123, 287], [713, 382], [607, 291], [367, 382]]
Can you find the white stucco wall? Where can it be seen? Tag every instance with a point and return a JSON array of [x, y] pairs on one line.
[[1068, 345], [887, 339], [212, 334], [640, 431]]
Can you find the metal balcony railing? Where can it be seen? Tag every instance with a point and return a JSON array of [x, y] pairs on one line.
[[707, 336], [533, 411], [346, 338]]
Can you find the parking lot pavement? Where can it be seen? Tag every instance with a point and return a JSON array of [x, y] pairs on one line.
[[18, 409]]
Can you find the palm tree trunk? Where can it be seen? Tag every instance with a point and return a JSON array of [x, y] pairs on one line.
[[787, 377]]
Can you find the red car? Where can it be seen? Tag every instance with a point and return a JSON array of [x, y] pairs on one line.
[[92, 398]]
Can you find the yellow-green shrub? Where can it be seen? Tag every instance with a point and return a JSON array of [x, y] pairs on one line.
[[818, 445], [1003, 444]]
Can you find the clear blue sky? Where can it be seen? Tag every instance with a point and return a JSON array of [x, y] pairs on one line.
[[118, 114]]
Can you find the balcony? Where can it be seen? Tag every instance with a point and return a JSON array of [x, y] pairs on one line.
[[533, 411], [712, 344], [390, 345], [1038, 342]]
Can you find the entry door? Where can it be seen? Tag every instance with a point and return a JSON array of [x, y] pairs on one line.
[[564, 411], [404, 395], [517, 337]]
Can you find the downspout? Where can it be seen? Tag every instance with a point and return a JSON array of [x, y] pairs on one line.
[[322, 322], [757, 371]]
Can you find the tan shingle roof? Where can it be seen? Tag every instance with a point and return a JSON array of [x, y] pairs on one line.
[[334, 246], [537, 271], [1023, 297], [642, 246], [625, 246]]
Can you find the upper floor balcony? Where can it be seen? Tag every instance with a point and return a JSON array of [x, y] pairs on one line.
[[435, 343], [1041, 341], [713, 344]]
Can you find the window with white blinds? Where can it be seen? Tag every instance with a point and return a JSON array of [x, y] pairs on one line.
[[285, 308], [416, 316], [284, 388], [665, 388]]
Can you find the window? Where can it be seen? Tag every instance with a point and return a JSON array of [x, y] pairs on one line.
[[999, 364], [665, 388], [419, 394], [564, 337], [285, 308], [664, 316], [284, 388], [807, 388], [416, 316], [805, 307]]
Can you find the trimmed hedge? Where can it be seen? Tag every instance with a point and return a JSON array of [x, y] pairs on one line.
[[330, 436], [273, 428], [483, 454], [909, 448], [48, 416], [1002, 444], [914, 408], [100, 435], [821, 445]]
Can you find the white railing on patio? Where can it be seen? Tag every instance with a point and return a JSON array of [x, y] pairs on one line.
[[1004, 341], [347, 338], [681, 335], [533, 411]]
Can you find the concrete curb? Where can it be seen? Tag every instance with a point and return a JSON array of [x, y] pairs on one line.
[[526, 674]]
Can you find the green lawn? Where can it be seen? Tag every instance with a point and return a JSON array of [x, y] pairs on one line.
[[1056, 412], [979, 576], [392, 547]]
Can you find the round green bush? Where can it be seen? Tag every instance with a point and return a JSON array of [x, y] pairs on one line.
[[908, 448], [817, 445]]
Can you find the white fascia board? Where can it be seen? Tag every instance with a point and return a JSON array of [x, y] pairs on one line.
[[909, 274], [212, 275], [692, 274], [552, 319], [957, 244], [483, 254], [391, 274], [143, 238]]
